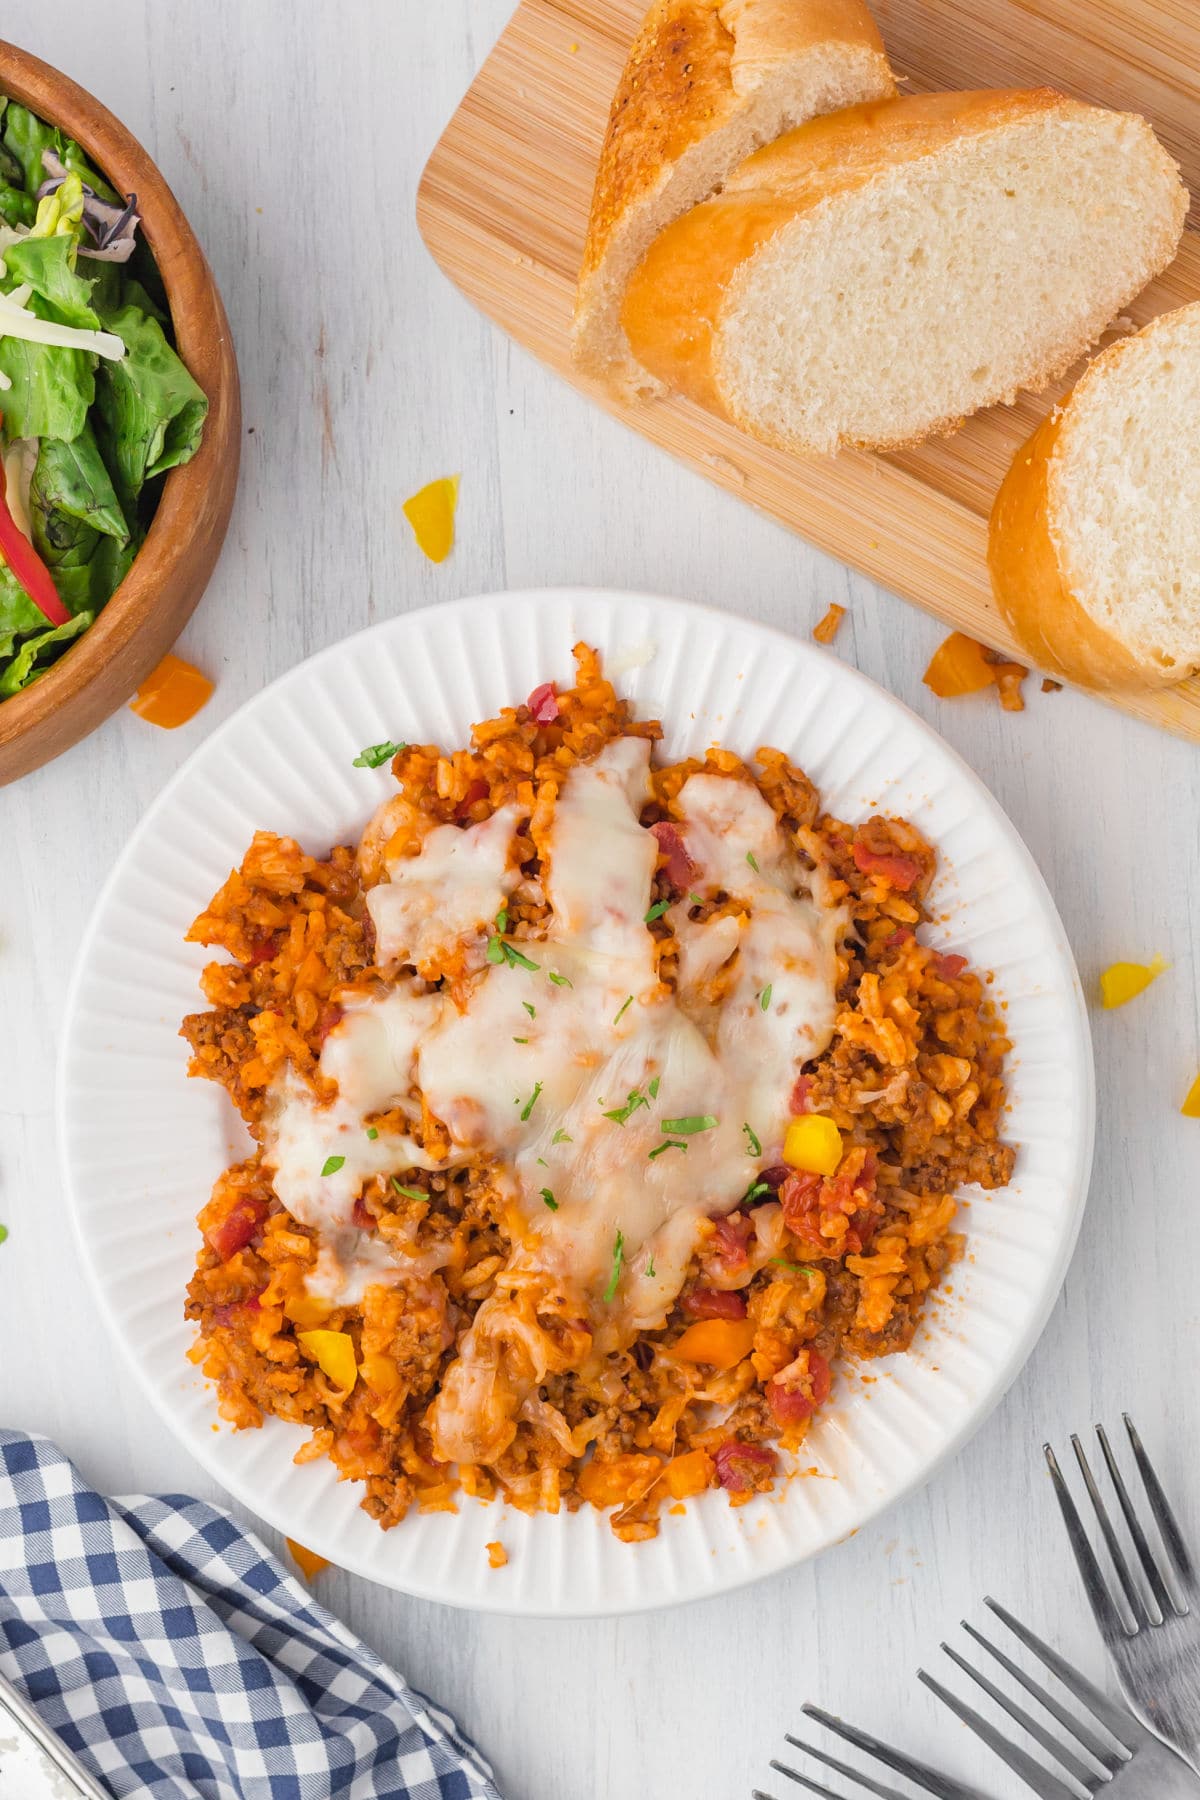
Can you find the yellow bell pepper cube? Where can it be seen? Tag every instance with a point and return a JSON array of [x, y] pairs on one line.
[[813, 1143], [333, 1353], [1123, 981], [1191, 1106], [430, 512]]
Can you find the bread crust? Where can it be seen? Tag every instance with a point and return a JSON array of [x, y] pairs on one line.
[[675, 299], [691, 69], [1026, 562]]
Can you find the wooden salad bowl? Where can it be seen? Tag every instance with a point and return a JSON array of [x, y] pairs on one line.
[[149, 609]]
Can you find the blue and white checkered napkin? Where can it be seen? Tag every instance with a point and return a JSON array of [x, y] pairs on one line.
[[178, 1658]]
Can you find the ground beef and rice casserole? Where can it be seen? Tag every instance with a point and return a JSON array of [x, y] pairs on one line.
[[601, 1106]]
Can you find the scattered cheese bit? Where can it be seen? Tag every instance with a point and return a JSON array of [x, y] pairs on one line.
[[1124, 981], [813, 1143], [333, 1353], [430, 512], [307, 1561], [1191, 1106], [826, 629], [497, 1554], [172, 694]]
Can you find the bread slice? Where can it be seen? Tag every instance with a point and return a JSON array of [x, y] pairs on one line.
[[1094, 545], [879, 274], [707, 82]]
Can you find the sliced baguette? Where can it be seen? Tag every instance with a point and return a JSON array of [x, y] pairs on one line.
[[879, 274], [1094, 544], [707, 82]]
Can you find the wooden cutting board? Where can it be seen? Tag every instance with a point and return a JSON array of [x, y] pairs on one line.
[[503, 207]]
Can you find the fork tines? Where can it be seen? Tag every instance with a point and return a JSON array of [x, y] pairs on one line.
[[1094, 1740], [1140, 1612]]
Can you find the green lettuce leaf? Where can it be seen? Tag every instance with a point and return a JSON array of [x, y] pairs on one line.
[[25, 666], [18, 614], [52, 389], [25, 136], [152, 411], [16, 207], [85, 586], [46, 264], [71, 498]]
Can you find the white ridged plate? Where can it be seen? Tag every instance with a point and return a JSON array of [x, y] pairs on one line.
[[142, 1145]]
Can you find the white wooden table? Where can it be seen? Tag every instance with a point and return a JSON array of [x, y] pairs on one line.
[[294, 133]]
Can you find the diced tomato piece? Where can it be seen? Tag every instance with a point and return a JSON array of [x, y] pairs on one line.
[[730, 1238], [892, 866], [264, 950], [713, 1303], [242, 1222], [363, 1217], [677, 864], [543, 703], [801, 1101], [227, 1315], [949, 966], [901, 935], [800, 1197], [796, 1393], [743, 1468], [476, 791]]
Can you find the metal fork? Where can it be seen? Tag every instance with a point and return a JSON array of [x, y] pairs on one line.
[[1154, 1637], [1105, 1750]]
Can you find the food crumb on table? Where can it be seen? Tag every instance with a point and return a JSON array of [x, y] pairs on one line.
[[307, 1561], [826, 629], [497, 1554]]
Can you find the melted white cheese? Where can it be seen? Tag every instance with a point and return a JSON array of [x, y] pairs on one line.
[[754, 1002], [447, 895]]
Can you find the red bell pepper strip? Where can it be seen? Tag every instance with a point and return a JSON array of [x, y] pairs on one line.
[[25, 562]]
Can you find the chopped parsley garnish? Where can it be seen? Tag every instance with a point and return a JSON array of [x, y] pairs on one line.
[[654, 1087], [752, 860], [756, 1192], [375, 755], [3, 1233], [495, 950], [549, 1199], [372, 1133], [764, 999], [530, 1008], [618, 1257], [657, 911], [671, 1144], [795, 1268], [518, 1040], [690, 1125], [515, 960], [562, 1137], [409, 1193], [650, 1265], [560, 980], [624, 1008], [502, 919], [542, 1163], [333, 1164], [531, 1102], [752, 1139], [621, 1114]]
